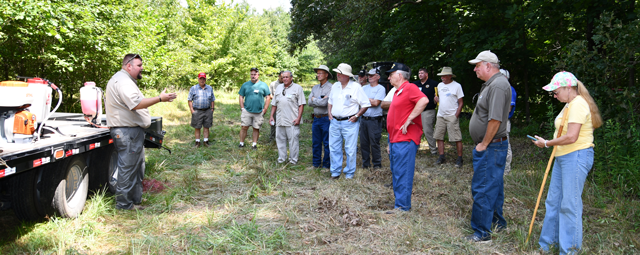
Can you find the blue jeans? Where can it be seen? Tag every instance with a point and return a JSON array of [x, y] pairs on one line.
[[403, 165], [487, 188], [320, 139], [347, 131], [563, 220]]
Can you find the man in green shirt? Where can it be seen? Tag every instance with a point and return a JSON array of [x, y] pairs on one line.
[[253, 106]]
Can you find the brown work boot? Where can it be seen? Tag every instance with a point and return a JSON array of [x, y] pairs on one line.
[[197, 145]]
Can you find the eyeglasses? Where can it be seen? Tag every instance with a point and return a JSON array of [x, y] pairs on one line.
[[131, 59]]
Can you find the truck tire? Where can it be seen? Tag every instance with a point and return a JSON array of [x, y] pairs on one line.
[[24, 196], [71, 192]]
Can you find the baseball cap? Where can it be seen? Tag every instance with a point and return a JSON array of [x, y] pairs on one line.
[[398, 67], [486, 56], [202, 75], [373, 71], [561, 79]]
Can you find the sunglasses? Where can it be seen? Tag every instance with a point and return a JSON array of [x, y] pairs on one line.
[[131, 59]]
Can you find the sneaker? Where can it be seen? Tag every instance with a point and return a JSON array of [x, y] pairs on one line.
[[206, 143], [440, 160], [197, 145], [389, 185], [459, 162], [475, 239], [335, 177], [254, 147], [241, 146]]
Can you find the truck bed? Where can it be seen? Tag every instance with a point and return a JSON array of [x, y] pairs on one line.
[[78, 137]]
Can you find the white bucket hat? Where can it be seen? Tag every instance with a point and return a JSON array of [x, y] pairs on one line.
[[447, 71], [343, 68]]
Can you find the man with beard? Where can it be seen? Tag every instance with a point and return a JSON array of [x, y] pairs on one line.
[[127, 117]]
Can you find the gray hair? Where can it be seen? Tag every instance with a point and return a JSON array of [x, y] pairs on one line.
[[290, 73], [495, 65], [406, 75]]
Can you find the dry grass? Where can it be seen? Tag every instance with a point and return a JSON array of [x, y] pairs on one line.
[[224, 199]]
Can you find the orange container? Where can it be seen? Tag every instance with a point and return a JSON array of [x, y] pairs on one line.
[[24, 123]]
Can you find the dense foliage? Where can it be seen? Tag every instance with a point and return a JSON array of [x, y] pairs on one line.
[[598, 40], [70, 42]]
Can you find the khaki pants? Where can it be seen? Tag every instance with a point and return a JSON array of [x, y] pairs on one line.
[[428, 116], [288, 135]]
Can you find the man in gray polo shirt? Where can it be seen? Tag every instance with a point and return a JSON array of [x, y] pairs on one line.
[[127, 116], [488, 129], [318, 99], [288, 104]]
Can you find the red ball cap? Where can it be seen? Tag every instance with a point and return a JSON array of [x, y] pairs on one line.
[[202, 75]]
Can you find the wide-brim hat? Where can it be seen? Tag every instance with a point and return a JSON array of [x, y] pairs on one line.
[[447, 71], [399, 67], [324, 68], [561, 79], [344, 68], [486, 56]]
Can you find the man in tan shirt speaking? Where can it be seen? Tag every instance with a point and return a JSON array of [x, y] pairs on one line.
[[127, 117]]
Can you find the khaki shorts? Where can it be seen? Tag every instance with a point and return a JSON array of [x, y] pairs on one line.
[[251, 119], [202, 118], [451, 125]]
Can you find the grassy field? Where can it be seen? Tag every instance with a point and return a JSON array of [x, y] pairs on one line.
[[225, 199]]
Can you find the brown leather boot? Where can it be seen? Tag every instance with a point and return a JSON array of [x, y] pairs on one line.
[[197, 145]]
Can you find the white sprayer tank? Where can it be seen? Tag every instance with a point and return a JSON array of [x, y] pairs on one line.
[[91, 99], [41, 105]]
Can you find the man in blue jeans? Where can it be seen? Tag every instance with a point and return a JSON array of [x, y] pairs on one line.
[[320, 129], [347, 102], [488, 129]]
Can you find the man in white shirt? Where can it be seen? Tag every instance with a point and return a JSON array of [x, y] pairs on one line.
[[450, 98], [347, 102]]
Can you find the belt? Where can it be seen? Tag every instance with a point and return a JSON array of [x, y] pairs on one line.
[[372, 118], [203, 109], [497, 140], [343, 118], [320, 115]]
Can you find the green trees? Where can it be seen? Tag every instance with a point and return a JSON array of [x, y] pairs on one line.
[[597, 40], [73, 41]]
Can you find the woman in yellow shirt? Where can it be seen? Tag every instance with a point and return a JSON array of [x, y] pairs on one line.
[[562, 225]]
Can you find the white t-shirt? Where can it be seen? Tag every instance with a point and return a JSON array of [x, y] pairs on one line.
[[389, 96], [449, 95], [346, 102]]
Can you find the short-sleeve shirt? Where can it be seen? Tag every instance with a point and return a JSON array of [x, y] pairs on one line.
[[404, 100], [254, 94], [273, 86], [347, 102], [579, 113], [389, 97], [201, 98], [123, 95], [429, 90], [287, 101], [493, 104], [514, 96], [376, 93], [448, 94]]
